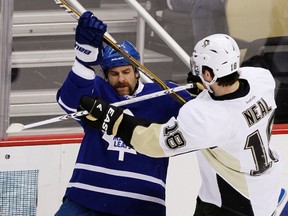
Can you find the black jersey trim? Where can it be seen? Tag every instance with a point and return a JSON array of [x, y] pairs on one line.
[[232, 200], [127, 126], [242, 91]]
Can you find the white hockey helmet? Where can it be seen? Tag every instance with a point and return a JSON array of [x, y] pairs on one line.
[[219, 52]]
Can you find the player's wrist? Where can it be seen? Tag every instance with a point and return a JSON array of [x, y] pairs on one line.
[[83, 71]]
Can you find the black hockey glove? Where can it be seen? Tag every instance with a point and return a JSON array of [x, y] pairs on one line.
[[197, 80], [102, 115]]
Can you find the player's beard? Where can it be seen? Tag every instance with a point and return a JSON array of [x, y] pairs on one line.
[[123, 88]]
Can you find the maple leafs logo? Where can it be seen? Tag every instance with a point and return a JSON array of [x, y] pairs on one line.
[[117, 144]]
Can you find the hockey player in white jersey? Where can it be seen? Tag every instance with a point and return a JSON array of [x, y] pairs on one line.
[[228, 125]]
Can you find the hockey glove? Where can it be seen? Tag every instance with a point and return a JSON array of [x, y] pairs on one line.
[[89, 39], [197, 80], [102, 115]]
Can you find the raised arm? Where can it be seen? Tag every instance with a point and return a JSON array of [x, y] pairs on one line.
[[88, 52]]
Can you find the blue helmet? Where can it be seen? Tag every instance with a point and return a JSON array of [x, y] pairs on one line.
[[112, 58]]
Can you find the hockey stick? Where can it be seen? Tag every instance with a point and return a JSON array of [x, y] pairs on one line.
[[75, 9], [18, 127]]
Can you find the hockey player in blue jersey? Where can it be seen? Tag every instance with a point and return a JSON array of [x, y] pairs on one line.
[[111, 178]]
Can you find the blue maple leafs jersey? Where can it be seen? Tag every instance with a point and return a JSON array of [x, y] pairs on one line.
[[109, 176]]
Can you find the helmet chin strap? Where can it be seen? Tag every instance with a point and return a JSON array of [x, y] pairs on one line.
[[208, 84]]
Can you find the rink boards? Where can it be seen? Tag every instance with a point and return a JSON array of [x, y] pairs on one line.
[[38, 168]]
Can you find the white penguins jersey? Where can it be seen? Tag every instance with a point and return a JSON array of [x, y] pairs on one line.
[[240, 169]]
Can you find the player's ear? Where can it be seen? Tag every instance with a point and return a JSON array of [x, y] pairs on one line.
[[137, 75]]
